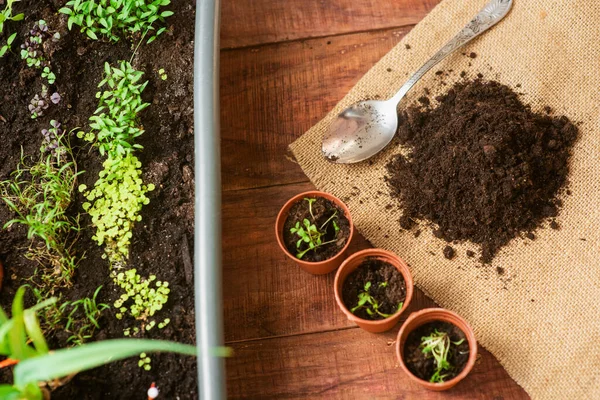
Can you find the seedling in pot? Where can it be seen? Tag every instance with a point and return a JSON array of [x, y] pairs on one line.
[[311, 236], [368, 302], [438, 345]]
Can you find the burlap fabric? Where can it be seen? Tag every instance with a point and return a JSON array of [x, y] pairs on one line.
[[541, 318]]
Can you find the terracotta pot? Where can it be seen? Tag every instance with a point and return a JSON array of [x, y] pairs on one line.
[[430, 315], [350, 265], [320, 267]]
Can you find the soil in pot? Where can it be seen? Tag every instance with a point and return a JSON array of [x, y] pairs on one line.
[[316, 229], [374, 290], [436, 335], [482, 166]]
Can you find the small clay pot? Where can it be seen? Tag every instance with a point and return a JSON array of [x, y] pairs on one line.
[[353, 262], [423, 317], [320, 267]]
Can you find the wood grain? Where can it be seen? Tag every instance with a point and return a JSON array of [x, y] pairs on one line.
[[255, 22], [265, 293], [347, 364], [271, 95]]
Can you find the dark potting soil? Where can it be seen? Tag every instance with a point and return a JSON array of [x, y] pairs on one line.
[[482, 166], [165, 234], [423, 365], [322, 211], [388, 288]]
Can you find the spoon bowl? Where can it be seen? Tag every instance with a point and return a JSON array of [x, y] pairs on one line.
[[365, 128], [361, 131]]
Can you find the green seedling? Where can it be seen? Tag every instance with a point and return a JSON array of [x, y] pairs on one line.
[[142, 297], [7, 15], [40, 195], [162, 74], [118, 195], [438, 345], [110, 18], [365, 300], [144, 362], [311, 236], [82, 317]]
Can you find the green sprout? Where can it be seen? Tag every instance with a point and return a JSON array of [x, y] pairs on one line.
[[162, 74], [40, 195], [438, 346], [113, 17], [310, 235], [365, 300], [119, 193], [144, 362], [83, 318], [6, 15]]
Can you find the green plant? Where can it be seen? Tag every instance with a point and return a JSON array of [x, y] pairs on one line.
[[365, 300], [310, 235], [144, 299], [438, 345], [144, 362], [112, 17], [83, 317], [40, 195], [163, 75], [32, 51], [6, 15], [119, 193]]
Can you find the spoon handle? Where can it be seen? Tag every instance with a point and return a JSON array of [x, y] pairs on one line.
[[489, 16]]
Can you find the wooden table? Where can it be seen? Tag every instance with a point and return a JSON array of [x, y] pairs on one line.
[[284, 64]]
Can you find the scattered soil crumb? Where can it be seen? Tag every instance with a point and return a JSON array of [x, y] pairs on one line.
[[424, 100], [473, 55], [500, 270], [449, 252], [439, 72], [389, 70], [554, 225], [407, 46], [417, 233], [480, 75], [548, 109], [463, 74], [470, 253], [530, 235]]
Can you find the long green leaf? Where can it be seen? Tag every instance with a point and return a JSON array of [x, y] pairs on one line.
[[65, 362]]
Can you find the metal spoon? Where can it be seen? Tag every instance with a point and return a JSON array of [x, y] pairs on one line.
[[365, 128]]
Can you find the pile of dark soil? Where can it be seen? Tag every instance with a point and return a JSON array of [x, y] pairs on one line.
[[483, 167], [424, 365], [387, 288], [162, 242], [322, 215]]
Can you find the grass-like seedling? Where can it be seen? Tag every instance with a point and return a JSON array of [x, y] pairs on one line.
[[82, 317], [40, 195], [365, 300], [310, 236], [7, 15], [119, 193], [110, 18], [438, 345]]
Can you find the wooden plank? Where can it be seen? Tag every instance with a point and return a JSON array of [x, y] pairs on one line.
[[347, 364], [255, 22], [271, 95], [265, 293]]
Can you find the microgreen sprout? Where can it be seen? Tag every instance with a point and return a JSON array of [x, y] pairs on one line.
[[113, 17], [6, 15], [142, 298], [163, 75], [118, 195], [310, 236], [368, 302], [144, 362], [83, 317], [32, 51], [39, 195], [438, 345]]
